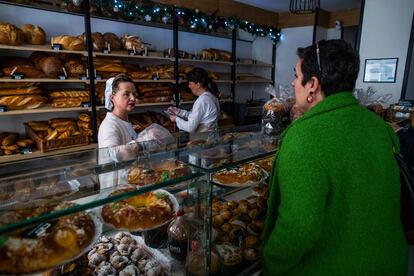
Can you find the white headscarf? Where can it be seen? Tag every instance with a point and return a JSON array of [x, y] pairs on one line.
[[108, 92]]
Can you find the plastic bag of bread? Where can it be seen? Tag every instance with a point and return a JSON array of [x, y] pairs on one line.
[[155, 137], [372, 100], [275, 112]]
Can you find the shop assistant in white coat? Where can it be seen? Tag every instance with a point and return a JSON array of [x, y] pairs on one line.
[[204, 115]]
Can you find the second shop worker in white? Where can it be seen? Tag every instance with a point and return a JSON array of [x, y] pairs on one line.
[[204, 115]]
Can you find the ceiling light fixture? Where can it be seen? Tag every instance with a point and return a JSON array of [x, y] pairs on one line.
[[304, 6]]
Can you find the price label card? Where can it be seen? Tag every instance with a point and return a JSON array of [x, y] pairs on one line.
[[155, 77], [57, 47], [26, 150], [86, 104], [106, 51], [3, 108], [17, 76], [131, 53], [62, 77], [83, 77], [98, 77]]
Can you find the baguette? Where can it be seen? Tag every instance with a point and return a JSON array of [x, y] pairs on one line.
[[22, 102], [67, 102], [84, 125], [76, 133], [20, 91], [52, 135], [84, 117], [111, 67], [61, 129], [65, 134], [9, 139], [24, 142], [70, 94]]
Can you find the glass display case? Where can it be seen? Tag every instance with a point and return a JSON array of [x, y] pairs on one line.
[[188, 207]]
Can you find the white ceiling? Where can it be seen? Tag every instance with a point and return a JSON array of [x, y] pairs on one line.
[[283, 5]]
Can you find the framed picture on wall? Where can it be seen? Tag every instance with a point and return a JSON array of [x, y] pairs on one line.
[[380, 70]]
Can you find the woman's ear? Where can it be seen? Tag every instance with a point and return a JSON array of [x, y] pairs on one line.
[[315, 84]]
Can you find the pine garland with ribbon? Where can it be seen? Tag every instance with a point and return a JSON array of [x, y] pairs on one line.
[[195, 20]]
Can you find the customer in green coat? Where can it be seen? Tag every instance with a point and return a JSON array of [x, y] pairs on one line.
[[334, 200]]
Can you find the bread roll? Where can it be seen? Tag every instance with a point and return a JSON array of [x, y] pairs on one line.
[[10, 34], [52, 135], [68, 42], [97, 41], [84, 117], [130, 42], [28, 71], [20, 91], [22, 102], [33, 34], [24, 142], [113, 40]]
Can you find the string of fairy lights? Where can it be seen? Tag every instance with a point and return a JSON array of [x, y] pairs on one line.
[[194, 20]]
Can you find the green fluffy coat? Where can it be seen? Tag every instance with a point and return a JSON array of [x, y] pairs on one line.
[[334, 204]]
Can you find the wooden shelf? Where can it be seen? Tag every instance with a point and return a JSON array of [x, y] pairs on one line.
[[43, 109], [142, 104], [259, 64], [223, 81], [45, 80], [146, 80], [254, 81], [124, 54], [41, 48], [38, 154], [205, 61]]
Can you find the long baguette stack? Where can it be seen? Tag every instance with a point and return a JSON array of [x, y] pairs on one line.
[[69, 98], [10, 143], [154, 92], [21, 96], [84, 125]]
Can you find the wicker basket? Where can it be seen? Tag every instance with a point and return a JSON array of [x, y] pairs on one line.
[[56, 144]]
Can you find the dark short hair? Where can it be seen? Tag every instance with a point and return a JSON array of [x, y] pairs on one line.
[[118, 79], [338, 68], [199, 75]]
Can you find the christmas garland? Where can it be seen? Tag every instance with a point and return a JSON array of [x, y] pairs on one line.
[[194, 20]]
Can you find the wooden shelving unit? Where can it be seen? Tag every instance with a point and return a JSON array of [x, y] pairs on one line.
[[43, 109], [40, 48], [37, 153], [45, 80], [124, 54], [188, 60]]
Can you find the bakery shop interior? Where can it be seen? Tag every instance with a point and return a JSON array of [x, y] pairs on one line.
[[233, 137]]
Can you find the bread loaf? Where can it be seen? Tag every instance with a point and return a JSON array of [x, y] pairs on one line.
[[62, 129], [143, 75], [97, 41], [22, 102], [75, 67], [28, 71], [70, 94], [61, 121], [20, 91], [51, 66], [10, 34], [84, 125], [68, 42], [33, 34], [130, 42], [207, 54], [111, 67], [113, 40], [52, 135]]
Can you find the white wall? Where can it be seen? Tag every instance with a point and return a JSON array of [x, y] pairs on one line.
[[385, 33], [333, 33], [286, 58]]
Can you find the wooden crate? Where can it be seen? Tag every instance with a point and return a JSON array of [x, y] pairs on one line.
[[56, 144]]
